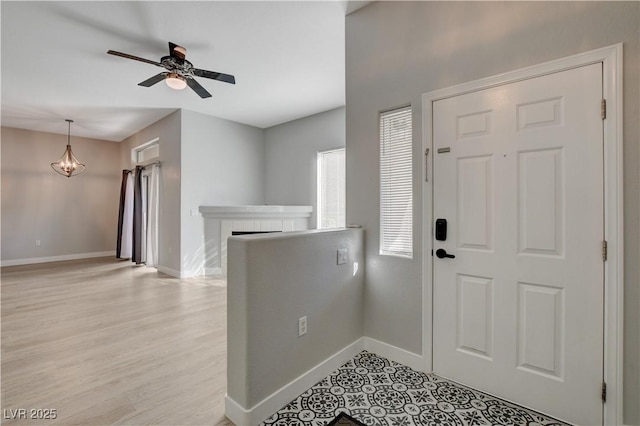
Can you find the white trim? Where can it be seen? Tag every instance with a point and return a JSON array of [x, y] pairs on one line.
[[235, 412], [394, 353], [179, 274], [213, 272], [611, 58], [274, 402], [199, 272], [137, 149], [169, 271], [255, 212], [32, 260], [614, 233]]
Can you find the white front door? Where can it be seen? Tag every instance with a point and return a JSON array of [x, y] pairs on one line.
[[518, 175]]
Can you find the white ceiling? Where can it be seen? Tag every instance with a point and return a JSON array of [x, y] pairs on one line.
[[288, 59]]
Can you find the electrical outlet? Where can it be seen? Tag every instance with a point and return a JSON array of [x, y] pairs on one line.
[[37, 243], [302, 326], [343, 256]]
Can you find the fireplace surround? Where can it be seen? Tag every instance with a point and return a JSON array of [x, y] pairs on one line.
[[220, 222]]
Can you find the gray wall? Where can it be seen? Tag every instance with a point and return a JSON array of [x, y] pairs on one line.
[[398, 50], [168, 130], [265, 300], [222, 164], [69, 216], [291, 151]]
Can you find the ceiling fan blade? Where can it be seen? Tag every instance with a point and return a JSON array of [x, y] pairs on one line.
[[153, 80], [215, 75], [135, 58], [198, 88], [177, 51]]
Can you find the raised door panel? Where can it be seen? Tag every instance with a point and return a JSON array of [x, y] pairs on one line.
[[475, 203], [474, 315], [541, 330], [541, 202]]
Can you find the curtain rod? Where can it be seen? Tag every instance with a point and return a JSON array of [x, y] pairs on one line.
[[159, 163]]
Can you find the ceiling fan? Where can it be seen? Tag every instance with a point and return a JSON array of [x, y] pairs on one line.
[[180, 72]]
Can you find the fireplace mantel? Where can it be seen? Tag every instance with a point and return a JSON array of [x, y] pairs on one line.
[[221, 221], [246, 212]]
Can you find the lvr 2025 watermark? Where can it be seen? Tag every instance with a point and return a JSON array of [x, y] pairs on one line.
[[32, 413]]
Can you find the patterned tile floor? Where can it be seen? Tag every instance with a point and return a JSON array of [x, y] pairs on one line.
[[379, 392]]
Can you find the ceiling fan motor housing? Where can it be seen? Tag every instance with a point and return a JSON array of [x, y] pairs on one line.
[[178, 66]]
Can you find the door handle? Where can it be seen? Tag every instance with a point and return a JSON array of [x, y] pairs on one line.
[[442, 253]]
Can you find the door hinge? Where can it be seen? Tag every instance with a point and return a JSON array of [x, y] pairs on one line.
[[604, 392], [603, 109], [604, 251]]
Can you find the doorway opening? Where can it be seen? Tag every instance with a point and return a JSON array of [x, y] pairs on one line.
[[609, 61]]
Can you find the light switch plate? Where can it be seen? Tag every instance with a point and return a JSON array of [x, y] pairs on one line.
[[342, 256]]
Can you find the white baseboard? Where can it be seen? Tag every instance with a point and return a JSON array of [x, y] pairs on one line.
[[213, 272], [32, 260], [235, 412], [274, 402], [394, 353], [169, 271], [179, 274], [191, 273]]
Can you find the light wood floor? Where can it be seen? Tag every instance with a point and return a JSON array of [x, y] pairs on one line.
[[105, 342]]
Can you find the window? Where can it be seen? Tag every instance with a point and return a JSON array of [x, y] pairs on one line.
[[142, 154], [396, 183], [331, 189]]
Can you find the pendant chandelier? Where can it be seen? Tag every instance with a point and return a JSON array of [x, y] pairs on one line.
[[68, 165]]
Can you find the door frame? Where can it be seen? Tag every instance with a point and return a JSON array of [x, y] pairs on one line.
[[611, 59]]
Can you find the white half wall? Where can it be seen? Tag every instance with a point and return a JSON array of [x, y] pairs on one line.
[[291, 157], [273, 280]]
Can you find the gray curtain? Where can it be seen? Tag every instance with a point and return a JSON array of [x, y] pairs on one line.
[[137, 217], [123, 244]]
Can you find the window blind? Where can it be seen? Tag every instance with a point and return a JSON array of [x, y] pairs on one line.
[[396, 183]]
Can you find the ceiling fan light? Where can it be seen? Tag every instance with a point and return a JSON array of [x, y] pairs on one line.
[[175, 81]]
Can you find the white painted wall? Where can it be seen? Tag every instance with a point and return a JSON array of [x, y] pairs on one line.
[[74, 216], [398, 50], [274, 279], [222, 164], [291, 157], [168, 130]]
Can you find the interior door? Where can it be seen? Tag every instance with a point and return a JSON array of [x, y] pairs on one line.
[[518, 175]]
